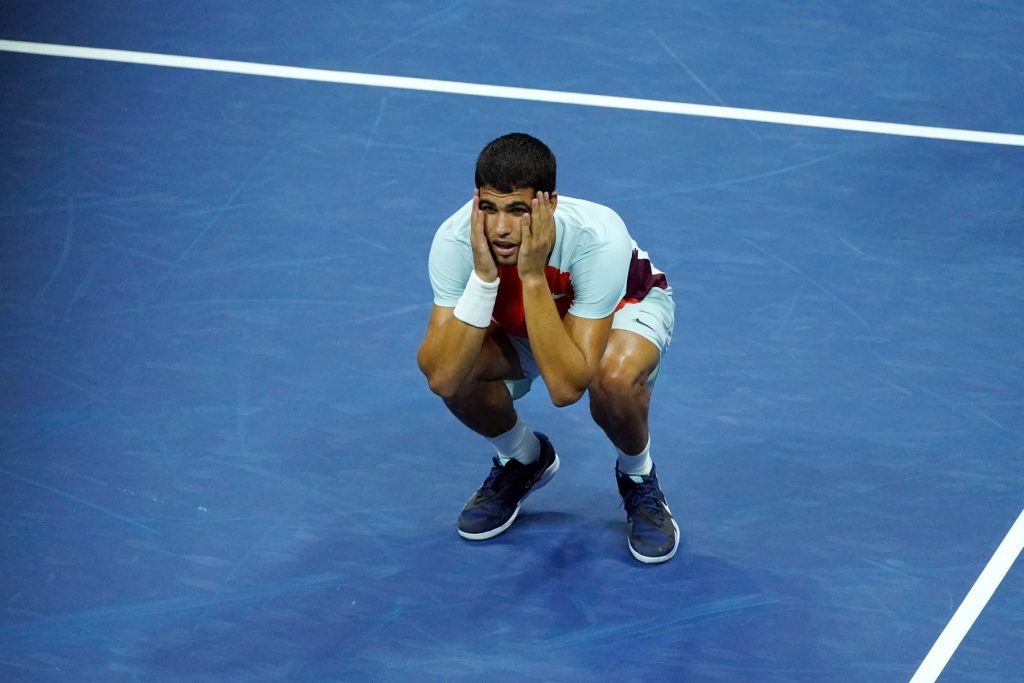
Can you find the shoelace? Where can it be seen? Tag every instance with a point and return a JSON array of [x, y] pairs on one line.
[[492, 478], [644, 496], [499, 472]]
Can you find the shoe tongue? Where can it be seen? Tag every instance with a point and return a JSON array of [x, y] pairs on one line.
[[503, 460], [637, 478]]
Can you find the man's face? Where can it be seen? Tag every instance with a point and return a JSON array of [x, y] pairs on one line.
[[503, 217]]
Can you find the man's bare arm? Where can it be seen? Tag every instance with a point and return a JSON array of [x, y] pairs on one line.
[[567, 351], [450, 348]]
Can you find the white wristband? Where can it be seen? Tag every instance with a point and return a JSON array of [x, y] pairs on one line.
[[477, 301]]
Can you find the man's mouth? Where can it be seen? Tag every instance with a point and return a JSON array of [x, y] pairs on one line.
[[504, 248]]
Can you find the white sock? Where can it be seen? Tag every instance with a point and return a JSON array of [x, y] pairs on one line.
[[636, 465], [518, 443]]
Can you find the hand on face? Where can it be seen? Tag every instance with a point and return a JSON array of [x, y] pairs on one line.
[[538, 235], [483, 260]]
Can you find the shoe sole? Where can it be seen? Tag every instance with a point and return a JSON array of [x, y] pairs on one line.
[[549, 473]]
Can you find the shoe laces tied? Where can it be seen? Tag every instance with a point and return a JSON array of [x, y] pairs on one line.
[[644, 497], [499, 473], [493, 476]]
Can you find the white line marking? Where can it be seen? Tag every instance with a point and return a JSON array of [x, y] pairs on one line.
[[530, 94], [991, 576]]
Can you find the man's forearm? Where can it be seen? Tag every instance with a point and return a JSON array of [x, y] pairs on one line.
[[561, 362]]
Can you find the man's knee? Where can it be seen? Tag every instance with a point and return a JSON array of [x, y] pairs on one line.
[[624, 372], [614, 383], [495, 361], [443, 386]]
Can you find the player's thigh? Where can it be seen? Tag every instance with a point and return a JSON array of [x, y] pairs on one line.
[[640, 336], [628, 359]]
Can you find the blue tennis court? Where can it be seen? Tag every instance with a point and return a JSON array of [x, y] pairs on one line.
[[220, 462]]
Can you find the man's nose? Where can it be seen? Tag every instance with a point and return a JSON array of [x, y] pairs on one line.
[[504, 226]]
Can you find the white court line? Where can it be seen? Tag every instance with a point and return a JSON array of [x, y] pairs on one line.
[[991, 576], [530, 94]]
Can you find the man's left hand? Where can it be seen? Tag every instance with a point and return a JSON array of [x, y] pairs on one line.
[[538, 236]]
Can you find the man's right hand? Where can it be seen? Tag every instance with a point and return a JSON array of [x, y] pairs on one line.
[[483, 260]]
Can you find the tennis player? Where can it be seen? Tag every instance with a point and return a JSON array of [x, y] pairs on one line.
[[528, 283]]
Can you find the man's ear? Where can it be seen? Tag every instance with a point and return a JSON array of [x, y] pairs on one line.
[[554, 201]]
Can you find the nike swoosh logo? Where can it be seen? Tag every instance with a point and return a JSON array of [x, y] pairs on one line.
[[641, 322]]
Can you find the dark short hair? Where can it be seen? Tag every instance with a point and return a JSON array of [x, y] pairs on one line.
[[516, 161]]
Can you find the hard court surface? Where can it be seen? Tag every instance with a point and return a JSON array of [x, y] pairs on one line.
[[219, 461]]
